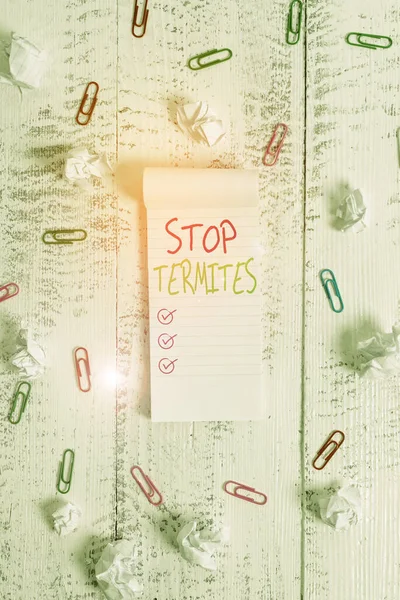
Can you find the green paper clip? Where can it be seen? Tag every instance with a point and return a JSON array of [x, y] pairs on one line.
[[61, 475], [368, 37], [398, 143], [211, 63], [295, 12], [25, 395], [55, 239], [325, 283]]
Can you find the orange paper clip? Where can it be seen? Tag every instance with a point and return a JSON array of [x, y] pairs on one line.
[[8, 291], [81, 110], [83, 374], [280, 131], [246, 488], [335, 447], [143, 23], [152, 494]]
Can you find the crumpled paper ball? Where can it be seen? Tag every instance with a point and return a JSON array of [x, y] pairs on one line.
[[80, 165], [380, 354], [351, 212], [29, 358], [342, 509], [200, 122], [66, 519], [198, 547], [115, 571], [27, 63]]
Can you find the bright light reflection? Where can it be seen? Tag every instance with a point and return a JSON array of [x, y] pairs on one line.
[[111, 378]]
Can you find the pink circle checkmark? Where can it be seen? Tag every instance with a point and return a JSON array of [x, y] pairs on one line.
[[166, 365], [165, 316], [166, 341]]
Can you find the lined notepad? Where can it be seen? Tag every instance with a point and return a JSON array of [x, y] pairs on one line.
[[204, 294]]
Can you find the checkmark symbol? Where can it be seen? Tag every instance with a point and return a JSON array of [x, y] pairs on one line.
[[165, 316], [166, 341], [166, 365]]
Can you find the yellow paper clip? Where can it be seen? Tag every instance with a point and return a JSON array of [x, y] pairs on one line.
[[63, 236]]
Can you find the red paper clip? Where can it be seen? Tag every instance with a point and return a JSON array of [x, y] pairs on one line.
[[330, 441], [274, 155], [10, 290], [143, 22], [152, 494], [93, 101], [83, 375], [241, 486]]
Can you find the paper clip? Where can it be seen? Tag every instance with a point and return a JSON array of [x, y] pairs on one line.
[[61, 476], [143, 23], [152, 494], [246, 488], [83, 375], [8, 291], [398, 143], [212, 62], [293, 32], [24, 394], [81, 110], [53, 237], [330, 441], [274, 155], [325, 283], [368, 36]]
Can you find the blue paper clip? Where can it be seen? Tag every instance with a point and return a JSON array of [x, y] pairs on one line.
[[211, 63], [331, 282], [368, 36]]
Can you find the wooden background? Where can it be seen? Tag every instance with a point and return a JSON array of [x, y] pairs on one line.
[[342, 107]]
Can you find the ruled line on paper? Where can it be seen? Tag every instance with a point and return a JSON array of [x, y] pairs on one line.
[[204, 296]]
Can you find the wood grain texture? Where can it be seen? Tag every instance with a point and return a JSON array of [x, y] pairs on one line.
[[95, 294], [261, 86], [352, 116], [67, 297]]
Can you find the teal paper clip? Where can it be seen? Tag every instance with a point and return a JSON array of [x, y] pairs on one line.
[[328, 282], [23, 390], [62, 478], [202, 65], [57, 236], [294, 22], [368, 36]]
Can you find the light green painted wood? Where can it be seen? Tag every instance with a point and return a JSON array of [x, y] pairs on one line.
[[95, 295]]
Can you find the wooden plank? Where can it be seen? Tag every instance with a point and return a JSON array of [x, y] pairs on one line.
[[260, 86], [352, 117], [67, 297]]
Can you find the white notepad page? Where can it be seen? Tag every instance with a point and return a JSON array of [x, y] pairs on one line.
[[204, 294]]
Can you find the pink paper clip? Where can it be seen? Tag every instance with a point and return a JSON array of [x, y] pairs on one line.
[[10, 290], [335, 447], [152, 494], [275, 153], [83, 374], [246, 488]]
